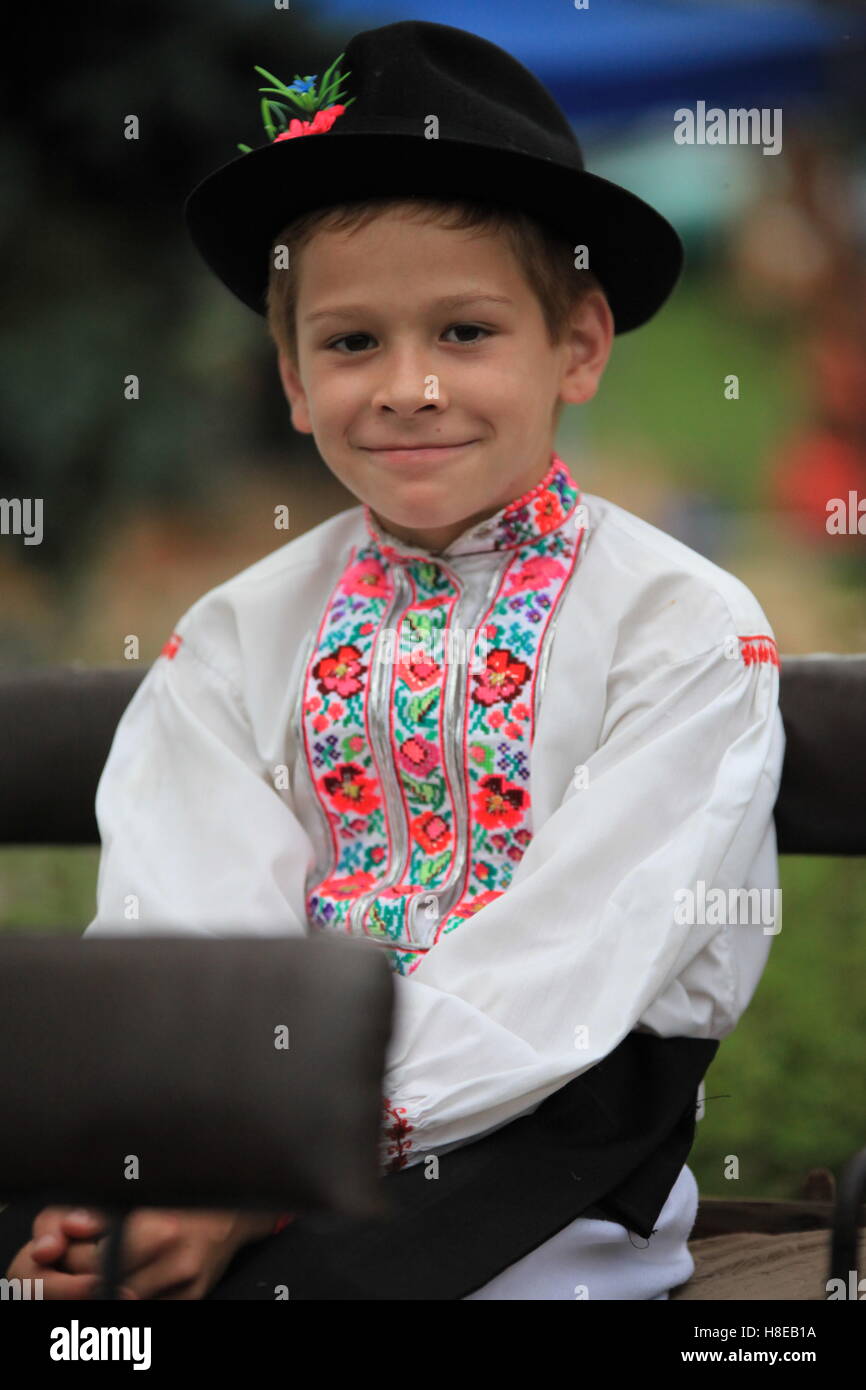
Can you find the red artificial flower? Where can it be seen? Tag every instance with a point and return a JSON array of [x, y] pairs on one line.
[[323, 120]]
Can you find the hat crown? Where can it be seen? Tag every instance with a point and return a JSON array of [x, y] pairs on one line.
[[405, 72]]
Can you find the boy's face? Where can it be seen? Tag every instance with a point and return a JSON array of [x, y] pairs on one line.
[[477, 380]]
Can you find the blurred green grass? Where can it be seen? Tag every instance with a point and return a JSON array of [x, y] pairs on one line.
[[665, 386], [785, 1092]]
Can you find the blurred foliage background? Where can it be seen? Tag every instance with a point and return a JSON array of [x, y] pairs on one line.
[[148, 504]]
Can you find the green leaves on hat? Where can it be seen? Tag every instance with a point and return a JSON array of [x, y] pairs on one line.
[[305, 100]]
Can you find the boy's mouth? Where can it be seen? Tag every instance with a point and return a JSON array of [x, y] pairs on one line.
[[419, 453]]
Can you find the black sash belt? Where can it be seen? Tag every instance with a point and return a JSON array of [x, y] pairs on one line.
[[609, 1144]]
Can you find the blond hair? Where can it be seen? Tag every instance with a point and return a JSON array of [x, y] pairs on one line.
[[546, 259]]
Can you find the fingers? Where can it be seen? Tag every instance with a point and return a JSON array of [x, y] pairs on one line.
[[55, 1284], [147, 1234], [69, 1221], [85, 1256], [47, 1249], [183, 1253]]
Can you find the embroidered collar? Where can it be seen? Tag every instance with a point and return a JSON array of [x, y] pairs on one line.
[[545, 508]]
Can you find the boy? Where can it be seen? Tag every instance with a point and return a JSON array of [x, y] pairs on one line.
[[525, 829]]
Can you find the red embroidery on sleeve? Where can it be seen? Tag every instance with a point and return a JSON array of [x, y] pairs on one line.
[[397, 1132], [171, 646], [759, 647]]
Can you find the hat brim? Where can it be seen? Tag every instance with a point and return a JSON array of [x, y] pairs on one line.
[[234, 215]]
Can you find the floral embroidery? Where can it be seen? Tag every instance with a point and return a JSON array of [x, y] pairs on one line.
[[340, 672], [454, 826], [349, 789], [501, 679], [398, 1145], [759, 648], [497, 804]]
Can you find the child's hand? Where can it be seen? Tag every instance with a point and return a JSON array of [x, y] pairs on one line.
[[172, 1254], [55, 1229]]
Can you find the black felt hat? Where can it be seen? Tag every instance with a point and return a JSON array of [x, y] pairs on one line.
[[501, 138]]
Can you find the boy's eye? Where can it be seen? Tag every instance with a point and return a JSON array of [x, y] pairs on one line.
[[353, 337], [473, 328]]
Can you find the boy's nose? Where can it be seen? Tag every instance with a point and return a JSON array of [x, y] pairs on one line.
[[409, 383]]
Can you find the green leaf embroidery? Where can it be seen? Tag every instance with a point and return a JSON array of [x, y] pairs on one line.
[[486, 761], [420, 704], [421, 791], [431, 867]]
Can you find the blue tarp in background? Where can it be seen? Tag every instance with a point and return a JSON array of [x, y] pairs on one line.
[[618, 58]]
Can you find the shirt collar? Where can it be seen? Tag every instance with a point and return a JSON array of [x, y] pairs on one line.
[[528, 518]]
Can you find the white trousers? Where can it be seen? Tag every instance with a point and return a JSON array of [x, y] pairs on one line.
[[602, 1260]]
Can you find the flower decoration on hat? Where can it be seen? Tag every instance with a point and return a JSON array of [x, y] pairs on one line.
[[319, 108]]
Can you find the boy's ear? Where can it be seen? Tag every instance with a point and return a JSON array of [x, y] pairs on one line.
[[588, 344], [295, 394]]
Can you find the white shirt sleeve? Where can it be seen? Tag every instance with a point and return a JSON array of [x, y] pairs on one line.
[[196, 836], [548, 979]]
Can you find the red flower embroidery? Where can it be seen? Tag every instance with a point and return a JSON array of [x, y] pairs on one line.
[[535, 574], [418, 671], [474, 905], [367, 577], [417, 755], [501, 679], [350, 789], [349, 885], [397, 1131], [499, 802], [759, 648], [171, 646], [340, 671], [431, 832], [548, 511]]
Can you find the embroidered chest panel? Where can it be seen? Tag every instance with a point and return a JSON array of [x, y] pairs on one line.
[[417, 729]]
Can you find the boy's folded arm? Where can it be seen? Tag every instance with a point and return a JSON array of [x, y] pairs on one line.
[[548, 979], [195, 835]]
